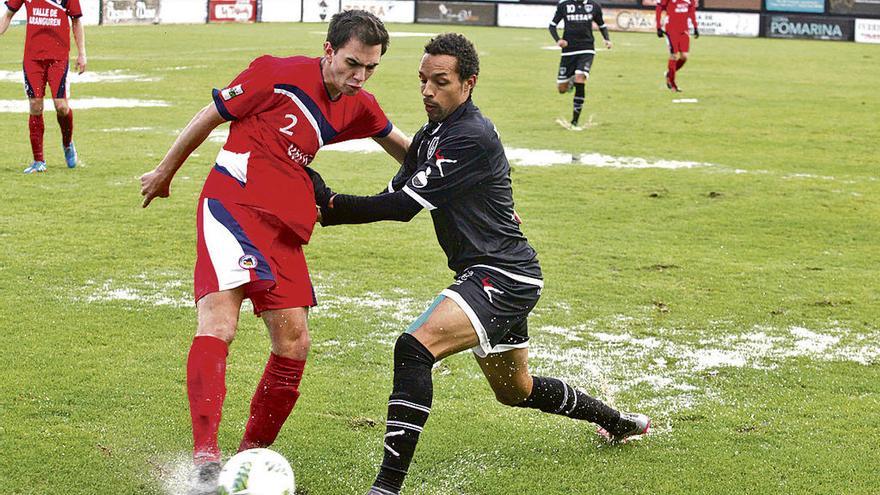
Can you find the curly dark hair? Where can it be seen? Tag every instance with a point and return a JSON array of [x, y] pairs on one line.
[[456, 45], [366, 26]]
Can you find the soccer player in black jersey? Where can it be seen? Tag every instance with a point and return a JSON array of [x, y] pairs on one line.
[[578, 49], [456, 169]]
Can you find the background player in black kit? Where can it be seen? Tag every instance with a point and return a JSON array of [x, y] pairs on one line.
[[578, 49], [456, 168]]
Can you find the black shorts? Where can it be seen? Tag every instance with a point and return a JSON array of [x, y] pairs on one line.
[[498, 303], [569, 65]]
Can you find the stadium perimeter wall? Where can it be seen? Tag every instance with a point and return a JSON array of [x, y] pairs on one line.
[[838, 20]]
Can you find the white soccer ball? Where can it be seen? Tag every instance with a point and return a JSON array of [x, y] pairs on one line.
[[256, 472]]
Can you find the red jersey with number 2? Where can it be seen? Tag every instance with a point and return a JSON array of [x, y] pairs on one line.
[[48, 27], [281, 116], [677, 14]]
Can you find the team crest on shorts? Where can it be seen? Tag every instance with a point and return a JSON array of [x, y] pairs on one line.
[[248, 262]]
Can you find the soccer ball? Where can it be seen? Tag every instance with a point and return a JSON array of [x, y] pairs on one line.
[[256, 472]]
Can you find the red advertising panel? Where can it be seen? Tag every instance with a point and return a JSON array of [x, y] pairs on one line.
[[232, 10]]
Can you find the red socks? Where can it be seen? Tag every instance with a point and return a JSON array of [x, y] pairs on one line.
[[672, 66], [274, 399], [66, 124], [206, 388], [36, 127], [680, 63]]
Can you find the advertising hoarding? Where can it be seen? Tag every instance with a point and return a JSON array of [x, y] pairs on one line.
[[754, 5], [633, 20], [808, 27], [130, 11], [468, 13], [281, 11], [859, 7], [319, 10], [519, 15], [809, 6], [232, 10], [868, 30], [387, 10], [729, 24]]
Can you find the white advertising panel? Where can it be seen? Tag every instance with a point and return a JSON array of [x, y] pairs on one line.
[[868, 30], [387, 10], [281, 11], [729, 24], [515, 15], [91, 12], [319, 10], [183, 11]]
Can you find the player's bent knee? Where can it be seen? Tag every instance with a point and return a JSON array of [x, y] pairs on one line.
[[225, 334]]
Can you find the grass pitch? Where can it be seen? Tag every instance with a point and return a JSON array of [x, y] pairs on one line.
[[735, 301]]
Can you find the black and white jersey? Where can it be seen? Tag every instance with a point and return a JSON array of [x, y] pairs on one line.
[[579, 16], [458, 171]]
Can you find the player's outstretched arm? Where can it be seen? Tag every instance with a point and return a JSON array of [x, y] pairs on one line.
[[5, 21], [157, 182], [339, 209], [396, 144], [79, 36]]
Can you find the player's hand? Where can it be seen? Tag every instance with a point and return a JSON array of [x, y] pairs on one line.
[[319, 217], [659, 33], [155, 184], [562, 43], [80, 64], [608, 44], [323, 194], [696, 33]]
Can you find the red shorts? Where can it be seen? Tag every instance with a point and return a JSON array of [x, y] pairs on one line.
[[240, 246], [38, 72], [678, 42]]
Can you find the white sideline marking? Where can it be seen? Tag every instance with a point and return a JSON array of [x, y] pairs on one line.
[[21, 105], [393, 34], [686, 100], [540, 158], [113, 76]]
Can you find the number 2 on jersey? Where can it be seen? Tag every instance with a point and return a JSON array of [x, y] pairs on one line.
[[293, 120]]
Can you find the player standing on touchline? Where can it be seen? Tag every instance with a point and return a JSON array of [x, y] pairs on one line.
[[678, 12], [46, 54], [578, 50]]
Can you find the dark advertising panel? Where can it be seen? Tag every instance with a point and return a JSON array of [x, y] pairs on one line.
[[232, 10], [473, 14], [809, 6], [130, 11], [754, 5], [808, 27], [864, 7]]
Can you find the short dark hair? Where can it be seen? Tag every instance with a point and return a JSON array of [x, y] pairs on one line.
[[366, 26], [456, 45]]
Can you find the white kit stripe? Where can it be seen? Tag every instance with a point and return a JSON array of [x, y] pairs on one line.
[[224, 251], [519, 278], [411, 405], [420, 200], [235, 163], [401, 424], [579, 52]]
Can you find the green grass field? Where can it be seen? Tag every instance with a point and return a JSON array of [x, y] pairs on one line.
[[736, 302]]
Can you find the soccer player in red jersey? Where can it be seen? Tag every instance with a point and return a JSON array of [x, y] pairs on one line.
[[46, 54], [678, 12], [256, 211]]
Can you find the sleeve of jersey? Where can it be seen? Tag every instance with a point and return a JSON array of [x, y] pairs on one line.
[[14, 5], [376, 124], [248, 94], [556, 18], [74, 10], [458, 165]]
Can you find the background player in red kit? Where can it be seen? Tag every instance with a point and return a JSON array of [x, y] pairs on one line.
[[677, 14], [257, 209], [46, 54]]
